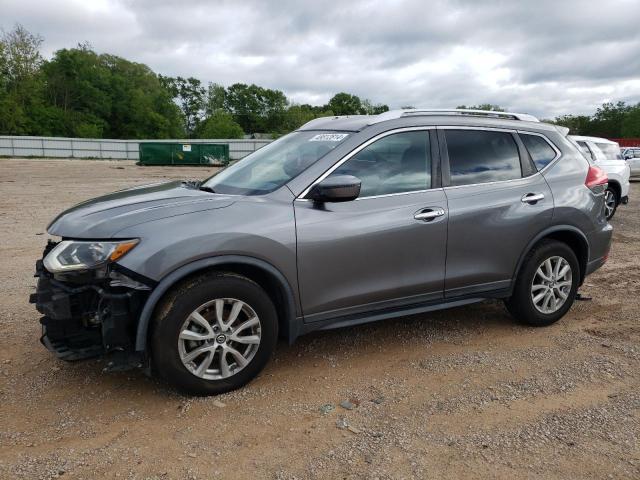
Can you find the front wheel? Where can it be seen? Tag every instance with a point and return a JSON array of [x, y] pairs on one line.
[[213, 334], [546, 285]]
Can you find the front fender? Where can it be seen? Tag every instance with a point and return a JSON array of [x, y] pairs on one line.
[[291, 329]]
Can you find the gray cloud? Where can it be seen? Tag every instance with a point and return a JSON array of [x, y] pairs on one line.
[[545, 57]]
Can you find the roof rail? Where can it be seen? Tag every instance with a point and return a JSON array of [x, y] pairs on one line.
[[410, 112]]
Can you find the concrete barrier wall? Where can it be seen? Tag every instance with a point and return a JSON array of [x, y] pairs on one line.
[[56, 147]]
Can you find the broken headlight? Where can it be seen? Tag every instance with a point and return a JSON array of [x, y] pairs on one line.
[[71, 255]]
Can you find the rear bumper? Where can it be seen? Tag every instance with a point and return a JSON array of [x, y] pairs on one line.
[[599, 246], [594, 265], [88, 320]]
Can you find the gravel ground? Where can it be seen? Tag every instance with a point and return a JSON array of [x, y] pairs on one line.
[[463, 393]]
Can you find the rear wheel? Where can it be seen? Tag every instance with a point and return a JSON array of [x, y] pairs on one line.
[[610, 202], [546, 285], [214, 334]]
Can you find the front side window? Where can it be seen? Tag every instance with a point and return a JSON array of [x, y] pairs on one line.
[[481, 156], [397, 163], [541, 152], [275, 164]]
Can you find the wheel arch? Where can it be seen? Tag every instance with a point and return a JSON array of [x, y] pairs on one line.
[[261, 272], [617, 188], [567, 234]]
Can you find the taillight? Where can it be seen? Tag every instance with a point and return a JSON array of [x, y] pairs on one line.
[[596, 180]]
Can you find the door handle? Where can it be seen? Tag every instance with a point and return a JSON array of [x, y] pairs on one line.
[[532, 198], [429, 214]]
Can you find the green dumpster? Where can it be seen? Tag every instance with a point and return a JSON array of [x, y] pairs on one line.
[[161, 153]]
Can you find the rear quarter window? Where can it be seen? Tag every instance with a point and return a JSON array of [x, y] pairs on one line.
[[542, 153]]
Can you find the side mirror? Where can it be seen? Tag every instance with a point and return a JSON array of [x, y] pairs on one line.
[[340, 188]]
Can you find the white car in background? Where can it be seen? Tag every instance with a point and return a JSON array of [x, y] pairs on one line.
[[632, 156], [606, 154]]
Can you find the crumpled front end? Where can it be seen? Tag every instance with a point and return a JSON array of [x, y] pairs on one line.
[[90, 313]]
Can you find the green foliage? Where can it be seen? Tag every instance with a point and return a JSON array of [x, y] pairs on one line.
[[611, 120], [345, 104], [80, 93], [368, 108], [298, 115], [190, 95], [21, 85], [220, 125], [254, 108], [631, 125], [577, 124]]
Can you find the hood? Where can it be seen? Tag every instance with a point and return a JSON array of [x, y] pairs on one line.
[[104, 217]]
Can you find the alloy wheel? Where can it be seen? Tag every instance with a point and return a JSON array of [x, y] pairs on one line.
[[551, 285], [609, 203], [219, 338]]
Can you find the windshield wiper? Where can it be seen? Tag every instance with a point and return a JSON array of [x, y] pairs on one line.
[[204, 188]]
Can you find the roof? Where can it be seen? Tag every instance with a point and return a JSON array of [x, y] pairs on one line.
[[412, 117], [583, 138]]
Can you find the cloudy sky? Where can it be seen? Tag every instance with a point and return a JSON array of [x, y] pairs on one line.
[[543, 57]]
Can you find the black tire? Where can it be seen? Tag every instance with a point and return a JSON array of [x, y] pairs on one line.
[[185, 299], [521, 305], [614, 206]]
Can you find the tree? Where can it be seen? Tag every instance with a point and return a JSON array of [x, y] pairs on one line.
[[220, 125], [256, 109], [368, 108], [215, 98], [577, 124], [631, 125], [107, 96], [608, 119], [21, 87], [21, 54], [345, 104], [298, 115], [190, 95]]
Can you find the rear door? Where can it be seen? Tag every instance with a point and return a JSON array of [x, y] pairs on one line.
[[386, 248], [497, 203]]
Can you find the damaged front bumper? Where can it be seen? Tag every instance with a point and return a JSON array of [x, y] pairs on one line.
[[90, 314]]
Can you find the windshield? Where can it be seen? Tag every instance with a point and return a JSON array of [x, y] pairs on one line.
[[611, 151], [272, 166]]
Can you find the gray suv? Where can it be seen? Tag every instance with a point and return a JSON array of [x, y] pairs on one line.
[[346, 220]]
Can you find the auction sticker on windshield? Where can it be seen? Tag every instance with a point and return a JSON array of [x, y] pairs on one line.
[[329, 137]]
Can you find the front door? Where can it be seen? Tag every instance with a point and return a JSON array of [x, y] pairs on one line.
[[384, 249]]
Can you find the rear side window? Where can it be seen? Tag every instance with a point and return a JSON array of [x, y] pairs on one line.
[[541, 152], [611, 151], [481, 156], [397, 163]]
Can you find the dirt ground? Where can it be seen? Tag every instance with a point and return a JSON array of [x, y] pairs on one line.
[[463, 393]]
